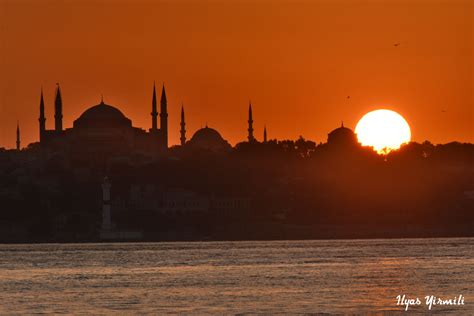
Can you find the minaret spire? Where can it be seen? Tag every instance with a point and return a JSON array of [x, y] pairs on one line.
[[18, 142], [183, 127], [58, 110], [164, 117], [42, 118], [250, 121], [265, 134], [154, 112]]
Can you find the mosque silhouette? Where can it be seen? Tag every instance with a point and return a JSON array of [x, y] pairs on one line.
[[103, 131]]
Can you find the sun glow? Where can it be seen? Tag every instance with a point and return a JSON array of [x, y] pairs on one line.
[[384, 130]]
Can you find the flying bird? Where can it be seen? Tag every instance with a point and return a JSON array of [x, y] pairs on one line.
[[396, 44]]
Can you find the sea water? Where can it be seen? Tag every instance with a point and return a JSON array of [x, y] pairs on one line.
[[321, 276]]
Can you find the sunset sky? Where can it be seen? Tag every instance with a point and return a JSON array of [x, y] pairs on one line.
[[298, 61]]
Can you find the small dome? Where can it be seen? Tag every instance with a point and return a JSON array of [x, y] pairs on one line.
[[102, 115], [208, 138], [342, 135], [207, 134]]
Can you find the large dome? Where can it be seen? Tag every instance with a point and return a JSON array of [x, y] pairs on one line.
[[208, 138], [102, 115]]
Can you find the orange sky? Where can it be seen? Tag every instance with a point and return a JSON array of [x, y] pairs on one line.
[[296, 60]]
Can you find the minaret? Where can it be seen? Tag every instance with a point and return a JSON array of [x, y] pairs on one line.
[[58, 111], [18, 143], [183, 129], [42, 118], [106, 218], [250, 121], [154, 112], [164, 117], [265, 134]]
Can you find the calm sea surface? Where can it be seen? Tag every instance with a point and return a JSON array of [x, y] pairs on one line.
[[346, 276]]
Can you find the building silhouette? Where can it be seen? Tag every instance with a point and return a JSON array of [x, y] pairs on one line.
[[18, 141], [250, 137], [342, 137], [42, 120], [230, 193], [183, 128], [208, 139], [103, 131]]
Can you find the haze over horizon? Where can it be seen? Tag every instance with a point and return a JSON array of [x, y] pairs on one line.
[[297, 61]]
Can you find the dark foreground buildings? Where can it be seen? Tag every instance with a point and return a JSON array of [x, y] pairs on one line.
[[204, 188]]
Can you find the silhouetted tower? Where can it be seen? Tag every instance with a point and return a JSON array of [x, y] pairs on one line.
[[183, 127], [265, 134], [42, 118], [58, 110], [250, 121], [164, 117], [18, 143], [154, 112]]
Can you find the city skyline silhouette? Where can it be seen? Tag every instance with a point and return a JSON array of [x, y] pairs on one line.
[[57, 118], [316, 65], [236, 157]]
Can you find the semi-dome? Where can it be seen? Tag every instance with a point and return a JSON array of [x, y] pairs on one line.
[[102, 115], [342, 135], [208, 138]]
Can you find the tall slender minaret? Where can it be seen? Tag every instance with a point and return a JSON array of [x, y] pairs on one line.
[[106, 217], [58, 110], [164, 117], [250, 121], [18, 142], [42, 118], [154, 112], [265, 134], [183, 127]]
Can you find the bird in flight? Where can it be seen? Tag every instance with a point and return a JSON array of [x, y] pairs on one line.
[[396, 44]]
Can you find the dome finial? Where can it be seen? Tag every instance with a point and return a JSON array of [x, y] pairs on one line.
[[342, 123], [101, 99]]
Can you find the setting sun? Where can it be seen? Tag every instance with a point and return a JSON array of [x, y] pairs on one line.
[[384, 130]]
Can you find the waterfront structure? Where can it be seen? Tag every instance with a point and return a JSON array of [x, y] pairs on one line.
[[176, 202], [107, 231]]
